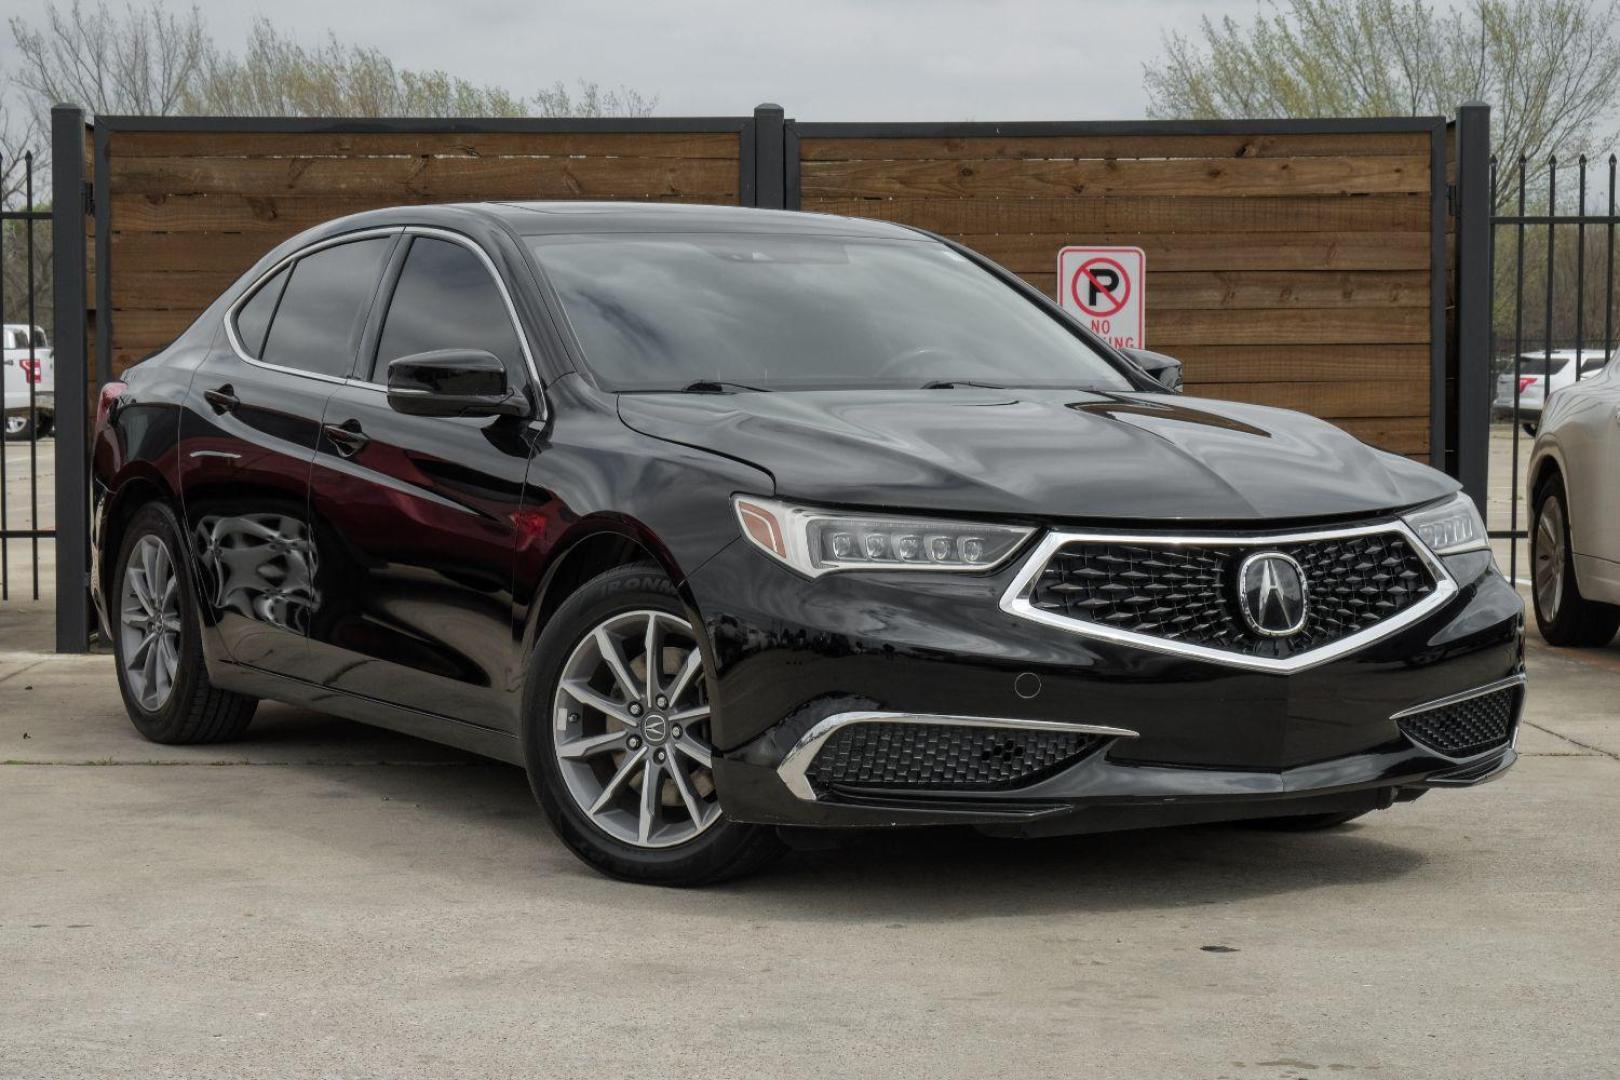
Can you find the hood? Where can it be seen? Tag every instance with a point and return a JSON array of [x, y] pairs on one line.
[[1043, 453]]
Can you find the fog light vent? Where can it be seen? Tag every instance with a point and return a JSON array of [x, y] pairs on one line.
[[1464, 728], [938, 756]]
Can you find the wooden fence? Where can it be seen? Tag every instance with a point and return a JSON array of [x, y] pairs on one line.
[[1299, 264], [1286, 266]]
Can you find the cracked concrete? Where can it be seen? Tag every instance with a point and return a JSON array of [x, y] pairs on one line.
[[324, 899]]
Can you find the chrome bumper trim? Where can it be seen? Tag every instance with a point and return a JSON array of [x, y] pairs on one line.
[[796, 764], [1015, 601], [1467, 695]]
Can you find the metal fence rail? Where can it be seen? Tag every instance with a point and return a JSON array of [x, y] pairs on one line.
[[25, 362], [1564, 325]]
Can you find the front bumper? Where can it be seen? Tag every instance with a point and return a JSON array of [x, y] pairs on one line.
[[1211, 741]]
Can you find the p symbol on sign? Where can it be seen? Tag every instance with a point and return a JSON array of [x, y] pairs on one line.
[[1101, 281]]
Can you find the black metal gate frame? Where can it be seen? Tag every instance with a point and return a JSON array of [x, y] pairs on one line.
[[34, 534], [768, 177], [1605, 346]]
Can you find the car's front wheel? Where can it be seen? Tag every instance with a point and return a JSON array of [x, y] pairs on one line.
[[616, 738], [158, 643], [22, 424], [1563, 615]]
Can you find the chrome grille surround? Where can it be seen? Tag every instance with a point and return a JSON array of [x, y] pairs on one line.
[[1017, 600]]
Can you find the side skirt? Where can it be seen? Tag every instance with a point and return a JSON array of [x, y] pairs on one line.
[[423, 725]]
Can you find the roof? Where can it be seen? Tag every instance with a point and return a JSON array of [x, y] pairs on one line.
[[535, 218]]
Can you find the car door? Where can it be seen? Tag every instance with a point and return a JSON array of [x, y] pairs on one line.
[[416, 516], [247, 441], [1601, 524]]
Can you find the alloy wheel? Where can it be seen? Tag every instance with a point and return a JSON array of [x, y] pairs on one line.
[[1549, 558], [149, 623], [631, 730], [16, 423]]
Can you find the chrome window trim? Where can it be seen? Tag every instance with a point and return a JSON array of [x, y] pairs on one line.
[[796, 764], [1015, 601], [280, 264]]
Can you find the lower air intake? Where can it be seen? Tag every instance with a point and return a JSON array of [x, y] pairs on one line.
[[1465, 728], [935, 756]]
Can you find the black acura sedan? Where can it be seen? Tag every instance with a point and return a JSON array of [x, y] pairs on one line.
[[720, 521]]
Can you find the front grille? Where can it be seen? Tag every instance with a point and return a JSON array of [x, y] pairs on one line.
[[1187, 593], [888, 755], [1465, 728]]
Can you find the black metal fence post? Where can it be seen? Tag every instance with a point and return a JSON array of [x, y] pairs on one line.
[[770, 168], [1474, 298], [72, 378]]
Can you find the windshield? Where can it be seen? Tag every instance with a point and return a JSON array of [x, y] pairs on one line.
[[793, 312]]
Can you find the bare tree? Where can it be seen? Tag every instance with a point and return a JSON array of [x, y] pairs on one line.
[[138, 60], [1549, 68], [277, 76], [153, 61], [20, 134], [590, 99]]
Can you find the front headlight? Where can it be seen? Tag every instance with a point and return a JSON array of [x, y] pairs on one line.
[[1450, 527], [817, 542]]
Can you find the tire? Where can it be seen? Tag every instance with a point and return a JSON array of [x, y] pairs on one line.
[[679, 836], [1563, 615], [185, 707], [1307, 822], [1530, 428], [20, 426]]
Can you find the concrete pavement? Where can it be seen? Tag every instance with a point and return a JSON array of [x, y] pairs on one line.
[[326, 900]]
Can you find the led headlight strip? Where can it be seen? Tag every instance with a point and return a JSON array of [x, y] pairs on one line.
[[816, 542]]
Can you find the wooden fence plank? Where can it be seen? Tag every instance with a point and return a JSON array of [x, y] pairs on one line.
[[1330, 400], [1114, 146], [1142, 213], [1035, 258], [1015, 179], [281, 214], [1303, 326], [1287, 363], [1286, 289], [394, 177], [136, 144]]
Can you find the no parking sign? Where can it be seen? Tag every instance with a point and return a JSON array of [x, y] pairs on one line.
[[1107, 288]]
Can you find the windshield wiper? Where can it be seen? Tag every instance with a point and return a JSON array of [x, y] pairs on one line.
[[717, 386], [952, 384]]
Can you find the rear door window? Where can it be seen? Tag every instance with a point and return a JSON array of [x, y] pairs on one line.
[[316, 326]]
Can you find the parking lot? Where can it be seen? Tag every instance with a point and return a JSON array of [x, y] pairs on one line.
[[324, 899]]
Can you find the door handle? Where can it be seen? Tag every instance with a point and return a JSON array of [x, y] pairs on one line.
[[346, 437], [222, 398]]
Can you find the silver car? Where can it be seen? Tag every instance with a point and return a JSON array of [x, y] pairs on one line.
[[1575, 512], [1532, 377]]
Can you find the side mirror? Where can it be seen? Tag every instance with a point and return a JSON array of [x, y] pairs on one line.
[[1165, 370], [452, 382]]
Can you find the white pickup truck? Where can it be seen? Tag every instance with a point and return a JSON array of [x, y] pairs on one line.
[[29, 362]]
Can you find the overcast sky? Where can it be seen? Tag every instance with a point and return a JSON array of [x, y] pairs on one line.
[[820, 59]]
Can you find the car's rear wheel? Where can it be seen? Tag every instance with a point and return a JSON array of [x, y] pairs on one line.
[[617, 738], [157, 641], [1563, 615]]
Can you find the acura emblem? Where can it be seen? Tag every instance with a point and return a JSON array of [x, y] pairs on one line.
[[1271, 594]]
